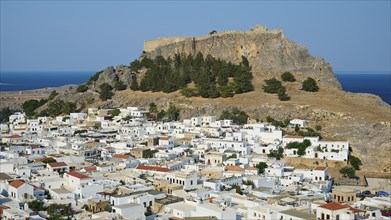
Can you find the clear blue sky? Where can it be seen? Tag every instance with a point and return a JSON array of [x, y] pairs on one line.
[[90, 35]]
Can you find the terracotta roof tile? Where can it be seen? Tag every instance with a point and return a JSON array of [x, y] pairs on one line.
[[233, 168], [320, 168], [121, 156], [78, 175], [14, 136], [16, 183], [333, 206], [58, 164], [90, 169], [251, 168], [153, 168]]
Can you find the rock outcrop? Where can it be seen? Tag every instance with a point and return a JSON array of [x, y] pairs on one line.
[[269, 52]]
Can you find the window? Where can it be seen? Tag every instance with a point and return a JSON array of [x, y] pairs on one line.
[[150, 203]]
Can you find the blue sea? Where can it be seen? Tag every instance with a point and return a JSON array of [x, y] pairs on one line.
[[16, 81], [378, 83]]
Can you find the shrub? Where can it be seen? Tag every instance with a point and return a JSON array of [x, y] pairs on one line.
[[261, 167], [188, 92], [119, 86], [310, 85], [287, 77], [52, 95], [82, 88], [347, 171], [105, 92], [237, 116], [273, 86], [355, 162]]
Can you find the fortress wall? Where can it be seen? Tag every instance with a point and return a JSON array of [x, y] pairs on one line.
[[151, 45]]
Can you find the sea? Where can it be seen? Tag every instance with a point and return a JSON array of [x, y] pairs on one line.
[[374, 82]]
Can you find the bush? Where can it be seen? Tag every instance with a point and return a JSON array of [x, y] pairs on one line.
[[52, 95], [287, 77], [31, 105], [119, 86], [105, 92], [188, 92], [355, 162], [82, 88], [237, 116], [5, 113], [115, 112], [310, 85], [59, 107], [282, 96], [278, 154], [94, 77], [134, 85], [273, 86], [348, 171], [261, 167]]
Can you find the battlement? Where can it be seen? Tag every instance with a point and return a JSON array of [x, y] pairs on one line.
[[150, 45]]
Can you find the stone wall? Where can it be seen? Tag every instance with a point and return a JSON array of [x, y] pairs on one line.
[[151, 45]]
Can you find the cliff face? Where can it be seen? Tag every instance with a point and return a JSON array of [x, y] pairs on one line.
[[269, 52]]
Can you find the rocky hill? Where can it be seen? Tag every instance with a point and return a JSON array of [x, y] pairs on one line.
[[268, 51]]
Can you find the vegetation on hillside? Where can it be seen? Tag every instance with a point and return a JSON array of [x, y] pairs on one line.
[[287, 77], [212, 77], [274, 86], [310, 85], [355, 162], [237, 116], [301, 147], [5, 113]]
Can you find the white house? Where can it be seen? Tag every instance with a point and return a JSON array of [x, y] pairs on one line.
[[334, 211], [20, 190], [130, 211], [299, 122]]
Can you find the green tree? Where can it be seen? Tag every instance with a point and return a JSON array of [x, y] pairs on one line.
[[237, 116], [318, 127], [58, 107], [105, 92], [238, 189], [161, 115], [189, 92], [153, 108], [5, 113], [52, 95], [282, 96], [287, 77], [347, 171], [36, 205], [31, 105], [134, 85], [149, 211], [297, 128], [82, 88], [278, 154], [119, 85], [172, 113], [261, 166], [273, 86], [310, 85], [212, 32], [115, 112], [355, 162]]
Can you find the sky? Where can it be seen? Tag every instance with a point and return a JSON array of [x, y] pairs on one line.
[[91, 35]]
